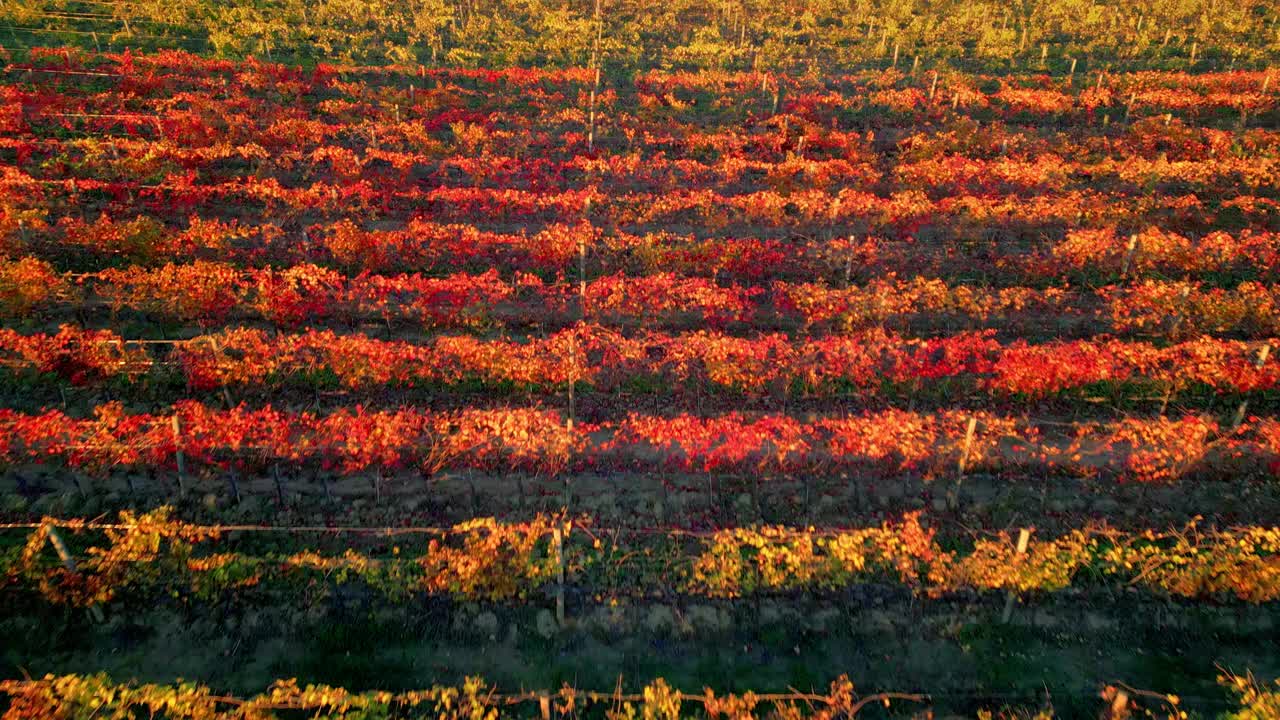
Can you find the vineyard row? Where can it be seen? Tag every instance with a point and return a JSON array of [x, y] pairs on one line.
[[591, 356], [211, 293], [75, 696], [486, 559], [400, 172], [846, 211], [917, 97], [880, 444], [424, 245]]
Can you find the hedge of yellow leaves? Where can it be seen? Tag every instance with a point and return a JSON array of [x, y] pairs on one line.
[[66, 697], [491, 560]]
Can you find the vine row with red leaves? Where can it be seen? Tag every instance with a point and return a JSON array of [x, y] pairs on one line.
[[380, 93], [876, 444], [211, 293], [847, 211], [424, 245], [597, 357], [1045, 171]]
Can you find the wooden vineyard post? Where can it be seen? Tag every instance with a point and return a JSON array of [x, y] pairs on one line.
[[582, 316], [275, 474], [1128, 256], [233, 484], [595, 89], [968, 440], [573, 338], [1195, 45], [915, 65], [1178, 320], [1182, 310], [217, 351], [755, 495], [1263, 354], [933, 86], [544, 705], [182, 460], [70, 564], [1071, 74], [895, 54], [963, 464], [573, 378], [1266, 82], [1024, 536], [475, 499], [557, 546], [582, 267]]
